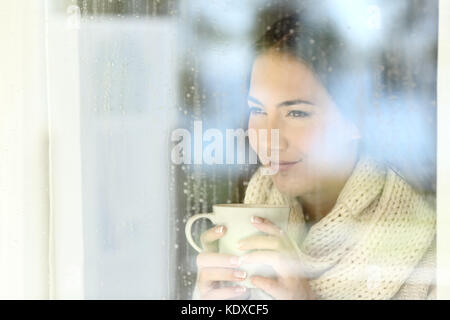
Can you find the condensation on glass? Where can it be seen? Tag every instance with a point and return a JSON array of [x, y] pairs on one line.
[[150, 66]]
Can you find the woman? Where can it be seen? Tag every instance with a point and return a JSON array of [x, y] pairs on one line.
[[356, 230]]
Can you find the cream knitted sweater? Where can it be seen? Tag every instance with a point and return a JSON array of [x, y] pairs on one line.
[[378, 241]]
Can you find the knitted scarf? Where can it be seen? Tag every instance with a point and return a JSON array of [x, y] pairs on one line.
[[376, 243]]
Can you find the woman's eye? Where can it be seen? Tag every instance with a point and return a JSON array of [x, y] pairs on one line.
[[298, 114], [254, 110]]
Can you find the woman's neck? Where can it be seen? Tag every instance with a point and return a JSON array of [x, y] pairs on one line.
[[319, 203]]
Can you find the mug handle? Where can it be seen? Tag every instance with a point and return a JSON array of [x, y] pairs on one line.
[[189, 224]]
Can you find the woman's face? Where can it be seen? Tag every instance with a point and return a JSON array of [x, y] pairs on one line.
[[314, 138]]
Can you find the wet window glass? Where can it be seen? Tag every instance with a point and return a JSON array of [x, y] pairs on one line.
[[303, 132]]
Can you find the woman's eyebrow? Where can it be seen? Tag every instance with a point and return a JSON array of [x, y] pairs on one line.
[[293, 102], [282, 104]]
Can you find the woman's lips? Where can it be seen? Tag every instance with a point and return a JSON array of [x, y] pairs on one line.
[[284, 165]]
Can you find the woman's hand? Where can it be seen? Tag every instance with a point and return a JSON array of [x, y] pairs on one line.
[[213, 267], [275, 249]]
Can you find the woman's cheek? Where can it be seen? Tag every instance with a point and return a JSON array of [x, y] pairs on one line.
[[307, 141]]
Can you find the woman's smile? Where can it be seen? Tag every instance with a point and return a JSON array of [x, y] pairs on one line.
[[284, 165]]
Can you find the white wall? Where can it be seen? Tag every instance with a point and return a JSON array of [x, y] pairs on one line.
[[443, 154], [24, 209]]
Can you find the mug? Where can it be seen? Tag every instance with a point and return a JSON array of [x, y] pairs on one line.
[[236, 217]]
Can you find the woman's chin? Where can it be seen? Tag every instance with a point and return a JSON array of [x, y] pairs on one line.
[[286, 185]]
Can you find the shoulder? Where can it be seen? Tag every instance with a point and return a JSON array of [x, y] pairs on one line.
[[408, 186], [417, 206]]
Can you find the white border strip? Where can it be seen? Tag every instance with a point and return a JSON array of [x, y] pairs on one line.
[[66, 219], [443, 154], [23, 153]]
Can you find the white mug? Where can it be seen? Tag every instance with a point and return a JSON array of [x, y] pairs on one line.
[[236, 217]]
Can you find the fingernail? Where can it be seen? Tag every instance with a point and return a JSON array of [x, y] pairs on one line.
[[240, 289], [240, 245], [240, 274], [235, 261], [256, 219], [219, 229]]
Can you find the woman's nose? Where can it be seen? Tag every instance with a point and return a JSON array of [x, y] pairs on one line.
[[274, 140]]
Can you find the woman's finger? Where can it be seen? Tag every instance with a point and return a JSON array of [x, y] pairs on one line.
[[207, 275], [209, 237], [209, 278], [271, 286], [266, 226], [225, 293], [278, 261], [214, 259], [262, 242]]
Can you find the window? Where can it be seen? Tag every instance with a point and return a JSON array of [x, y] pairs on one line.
[[93, 205]]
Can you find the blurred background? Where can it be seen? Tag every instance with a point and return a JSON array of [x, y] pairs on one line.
[[99, 86]]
